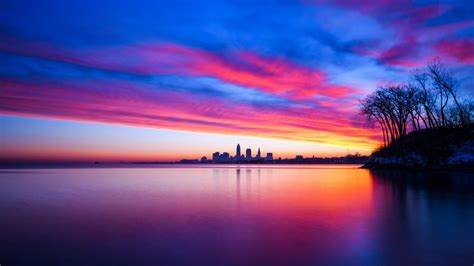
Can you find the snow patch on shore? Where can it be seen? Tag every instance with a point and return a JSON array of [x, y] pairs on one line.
[[463, 154]]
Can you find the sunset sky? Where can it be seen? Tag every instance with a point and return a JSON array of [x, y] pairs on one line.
[[166, 80]]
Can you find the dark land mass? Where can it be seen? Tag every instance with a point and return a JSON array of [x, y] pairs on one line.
[[349, 159], [435, 148]]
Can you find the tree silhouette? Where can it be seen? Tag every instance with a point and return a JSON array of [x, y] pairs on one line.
[[431, 100]]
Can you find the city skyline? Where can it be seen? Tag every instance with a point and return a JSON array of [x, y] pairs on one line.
[[238, 157]]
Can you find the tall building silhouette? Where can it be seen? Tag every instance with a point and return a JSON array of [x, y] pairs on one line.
[[248, 154], [225, 156], [215, 156], [237, 152], [269, 156]]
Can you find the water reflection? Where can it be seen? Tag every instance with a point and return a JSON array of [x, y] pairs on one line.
[[428, 217], [434, 183], [238, 186], [236, 216]]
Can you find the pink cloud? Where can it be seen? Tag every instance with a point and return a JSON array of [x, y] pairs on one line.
[[461, 50], [273, 75], [243, 68], [139, 105], [129, 103], [363, 6], [413, 42]]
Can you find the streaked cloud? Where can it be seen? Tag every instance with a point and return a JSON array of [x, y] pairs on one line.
[[291, 71]]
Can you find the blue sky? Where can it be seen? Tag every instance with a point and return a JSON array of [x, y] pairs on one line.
[[286, 74]]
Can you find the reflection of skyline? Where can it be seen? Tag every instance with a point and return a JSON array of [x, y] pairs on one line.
[[238, 186], [249, 182]]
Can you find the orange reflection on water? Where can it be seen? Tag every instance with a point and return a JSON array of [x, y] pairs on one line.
[[305, 189], [247, 213]]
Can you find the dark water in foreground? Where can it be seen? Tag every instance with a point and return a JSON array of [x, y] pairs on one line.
[[256, 215]]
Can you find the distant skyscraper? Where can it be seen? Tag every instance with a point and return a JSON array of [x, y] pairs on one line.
[[269, 156], [248, 153], [215, 156], [237, 152], [258, 154]]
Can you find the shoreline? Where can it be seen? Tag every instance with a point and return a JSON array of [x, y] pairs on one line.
[[382, 166], [151, 165]]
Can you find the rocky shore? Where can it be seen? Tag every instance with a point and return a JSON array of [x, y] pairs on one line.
[[439, 148]]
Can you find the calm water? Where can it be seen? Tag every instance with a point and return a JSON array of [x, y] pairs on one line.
[[229, 215]]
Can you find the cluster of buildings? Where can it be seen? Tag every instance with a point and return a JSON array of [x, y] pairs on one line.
[[225, 157], [240, 157]]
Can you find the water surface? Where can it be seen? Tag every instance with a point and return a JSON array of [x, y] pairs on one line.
[[235, 215]]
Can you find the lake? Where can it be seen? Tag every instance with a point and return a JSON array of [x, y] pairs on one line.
[[235, 215]]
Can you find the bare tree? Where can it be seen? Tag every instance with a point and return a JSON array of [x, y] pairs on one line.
[[392, 107], [443, 80], [430, 101], [426, 98]]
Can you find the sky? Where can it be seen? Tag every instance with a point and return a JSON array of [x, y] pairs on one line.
[[166, 80]]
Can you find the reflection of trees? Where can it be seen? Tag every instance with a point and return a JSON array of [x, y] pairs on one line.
[[433, 183], [417, 212]]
